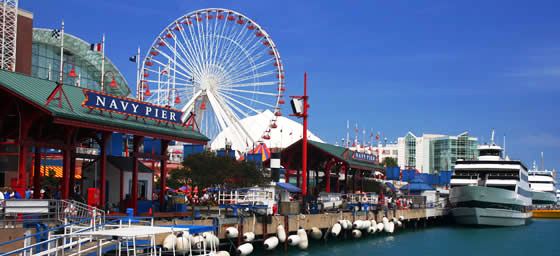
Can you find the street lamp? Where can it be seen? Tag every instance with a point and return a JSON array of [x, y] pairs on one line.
[[113, 84]]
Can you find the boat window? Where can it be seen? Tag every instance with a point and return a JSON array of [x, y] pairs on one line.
[[489, 152]]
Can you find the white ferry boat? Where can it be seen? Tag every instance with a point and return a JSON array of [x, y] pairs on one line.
[[491, 190], [543, 186]]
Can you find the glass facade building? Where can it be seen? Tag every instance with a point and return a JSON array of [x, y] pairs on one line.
[[445, 151], [410, 150], [77, 55]]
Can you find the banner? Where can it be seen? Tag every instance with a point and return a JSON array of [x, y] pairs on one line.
[[128, 106]]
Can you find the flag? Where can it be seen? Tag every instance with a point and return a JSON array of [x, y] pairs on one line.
[[55, 33], [132, 58], [98, 47], [377, 136]]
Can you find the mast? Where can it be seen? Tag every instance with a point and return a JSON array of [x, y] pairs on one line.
[[542, 160], [492, 138]]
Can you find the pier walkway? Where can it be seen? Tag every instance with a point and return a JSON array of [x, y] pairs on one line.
[[321, 221]]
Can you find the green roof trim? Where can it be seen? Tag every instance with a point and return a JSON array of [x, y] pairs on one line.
[[37, 91], [344, 154]]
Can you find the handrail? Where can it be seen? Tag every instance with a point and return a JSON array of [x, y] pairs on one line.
[[54, 239]]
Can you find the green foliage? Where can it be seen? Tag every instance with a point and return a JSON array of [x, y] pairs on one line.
[[207, 169], [390, 162]]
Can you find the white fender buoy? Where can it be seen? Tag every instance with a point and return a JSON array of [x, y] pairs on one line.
[[399, 223], [380, 227], [356, 233], [373, 224], [183, 244], [271, 243], [196, 242], [231, 232], [316, 233], [348, 224], [249, 236], [401, 218], [371, 230], [391, 227], [281, 233], [357, 224], [394, 220], [245, 249], [366, 224], [169, 242], [211, 240], [343, 224], [335, 230], [385, 220], [222, 253], [293, 240], [303, 241]]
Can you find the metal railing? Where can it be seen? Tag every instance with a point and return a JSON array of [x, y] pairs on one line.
[[67, 216]]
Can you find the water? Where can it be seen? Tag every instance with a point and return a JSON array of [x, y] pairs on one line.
[[538, 238]]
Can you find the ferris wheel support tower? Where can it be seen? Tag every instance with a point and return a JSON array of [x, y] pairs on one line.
[[8, 34]]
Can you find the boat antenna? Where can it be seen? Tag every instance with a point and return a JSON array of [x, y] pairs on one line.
[[542, 160], [492, 138], [505, 155]]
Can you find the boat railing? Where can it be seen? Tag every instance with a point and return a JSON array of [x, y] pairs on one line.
[[22, 212]]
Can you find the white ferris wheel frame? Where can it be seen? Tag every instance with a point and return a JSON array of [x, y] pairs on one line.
[[191, 58]]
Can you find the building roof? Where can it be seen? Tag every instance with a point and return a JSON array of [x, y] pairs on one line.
[[36, 91], [79, 47], [340, 153], [287, 132], [344, 154]]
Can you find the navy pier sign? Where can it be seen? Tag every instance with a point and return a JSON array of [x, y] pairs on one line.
[[363, 157], [132, 107]]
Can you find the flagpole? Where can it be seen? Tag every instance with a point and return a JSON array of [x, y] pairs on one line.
[[138, 73], [60, 75], [103, 63]]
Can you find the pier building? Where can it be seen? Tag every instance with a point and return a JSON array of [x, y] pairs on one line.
[[39, 114]]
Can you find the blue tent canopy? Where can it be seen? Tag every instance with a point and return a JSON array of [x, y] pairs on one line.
[[416, 185], [289, 187], [391, 186]]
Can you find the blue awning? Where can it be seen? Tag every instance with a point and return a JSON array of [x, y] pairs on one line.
[[391, 186], [289, 187], [416, 186]]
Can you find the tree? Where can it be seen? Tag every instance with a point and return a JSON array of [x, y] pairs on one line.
[[207, 169], [390, 162]]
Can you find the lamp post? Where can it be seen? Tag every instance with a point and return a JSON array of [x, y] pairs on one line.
[[113, 84]]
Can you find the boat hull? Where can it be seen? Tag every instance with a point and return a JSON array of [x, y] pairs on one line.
[[489, 216], [488, 206], [546, 214]]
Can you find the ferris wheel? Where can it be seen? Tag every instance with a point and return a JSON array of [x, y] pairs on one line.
[[219, 65]]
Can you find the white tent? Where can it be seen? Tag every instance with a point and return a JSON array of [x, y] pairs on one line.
[[287, 132]]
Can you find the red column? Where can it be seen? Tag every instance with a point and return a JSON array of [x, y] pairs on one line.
[[345, 179], [66, 172], [304, 146], [105, 138], [134, 193], [22, 154], [37, 173], [72, 176], [328, 167], [163, 173]]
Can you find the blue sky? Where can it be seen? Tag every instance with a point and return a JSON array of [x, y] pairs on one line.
[[394, 66]]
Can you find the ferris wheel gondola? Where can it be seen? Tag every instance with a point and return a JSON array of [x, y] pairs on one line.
[[219, 65]]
